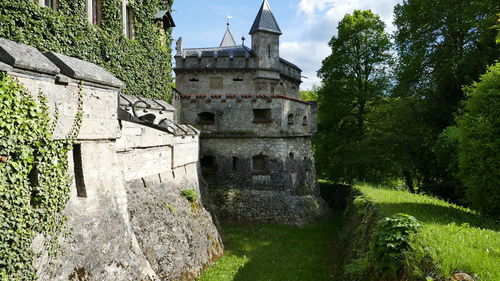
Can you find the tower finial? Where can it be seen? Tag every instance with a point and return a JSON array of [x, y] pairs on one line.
[[228, 19]]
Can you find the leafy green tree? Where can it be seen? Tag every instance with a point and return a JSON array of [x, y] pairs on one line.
[[309, 95], [354, 75], [479, 143]]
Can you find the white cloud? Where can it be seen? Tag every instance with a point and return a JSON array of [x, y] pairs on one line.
[[321, 20], [308, 55]]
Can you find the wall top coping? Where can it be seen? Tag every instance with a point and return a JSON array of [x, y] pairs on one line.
[[25, 57], [84, 70]]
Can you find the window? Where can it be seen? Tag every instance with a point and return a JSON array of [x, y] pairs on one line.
[[129, 22], [269, 51], [81, 191], [48, 3], [216, 83], [262, 116], [292, 162], [208, 164], [206, 118], [260, 165], [235, 163], [304, 121], [94, 11], [194, 80], [237, 79], [291, 119]]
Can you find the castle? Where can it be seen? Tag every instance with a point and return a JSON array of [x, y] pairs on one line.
[[256, 149], [132, 160]]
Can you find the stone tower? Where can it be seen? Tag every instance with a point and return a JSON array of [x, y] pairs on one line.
[[256, 152]]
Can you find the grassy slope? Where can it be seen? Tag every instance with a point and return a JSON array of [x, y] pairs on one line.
[[273, 252], [456, 237]]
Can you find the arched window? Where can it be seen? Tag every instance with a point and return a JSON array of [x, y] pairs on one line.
[[304, 121], [206, 118], [208, 164], [291, 119], [260, 165]]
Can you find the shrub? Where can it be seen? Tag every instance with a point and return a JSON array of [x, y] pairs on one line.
[[479, 143], [391, 240], [189, 194]]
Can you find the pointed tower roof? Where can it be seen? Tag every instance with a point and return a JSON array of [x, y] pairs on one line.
[[265, 20], [228, 39]]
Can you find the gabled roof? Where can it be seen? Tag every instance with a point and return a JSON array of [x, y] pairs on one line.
[[228, 40], [265, 20]]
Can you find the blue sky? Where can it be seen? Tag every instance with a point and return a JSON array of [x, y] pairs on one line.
[[307, 25]]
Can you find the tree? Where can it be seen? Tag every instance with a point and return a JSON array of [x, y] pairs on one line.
[[354, 75], [479, 143]]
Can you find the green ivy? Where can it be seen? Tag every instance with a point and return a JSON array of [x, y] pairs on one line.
[[144, 64], [34, 180]]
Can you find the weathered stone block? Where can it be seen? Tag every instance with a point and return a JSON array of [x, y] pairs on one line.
[[25, 57]]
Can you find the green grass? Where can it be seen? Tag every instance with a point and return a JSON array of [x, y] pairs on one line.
[[276, 253], [456, 237]]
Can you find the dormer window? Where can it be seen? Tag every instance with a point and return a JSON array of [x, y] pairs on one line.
[[94, 11]]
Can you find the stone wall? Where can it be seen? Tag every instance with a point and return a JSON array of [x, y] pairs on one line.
[[126, 217]]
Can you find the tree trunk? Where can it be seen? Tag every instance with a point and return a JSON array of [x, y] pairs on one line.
[[408, 181]]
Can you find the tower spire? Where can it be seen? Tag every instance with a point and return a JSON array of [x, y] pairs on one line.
[[228, 39], [265, 20]]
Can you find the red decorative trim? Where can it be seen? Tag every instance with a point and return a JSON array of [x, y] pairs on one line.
[[230, 96], [216, 96], [246, 96], [239, 100], [201, 96], [224, 100], [289, 98], [254, 100], [209, 100], [185, 96], [193, 101]]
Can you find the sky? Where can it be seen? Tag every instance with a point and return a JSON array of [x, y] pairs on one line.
[[307, 25]]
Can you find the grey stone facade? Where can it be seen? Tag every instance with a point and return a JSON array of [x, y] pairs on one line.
[[256, 150], [127, 219]]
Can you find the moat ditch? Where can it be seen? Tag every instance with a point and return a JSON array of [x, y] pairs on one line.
[[277, 252]]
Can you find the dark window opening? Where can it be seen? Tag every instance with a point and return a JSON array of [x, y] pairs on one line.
[[237, 79], [292, 163], [194, 80], [262, 116], [291, 119], [269, 51], [81, 191], [304, 121], [260, 165], [208, 164], [235, 163], [206, 118], [129, 26]]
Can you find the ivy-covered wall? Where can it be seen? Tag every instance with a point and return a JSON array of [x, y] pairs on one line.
[[143, 63], [34, 180]]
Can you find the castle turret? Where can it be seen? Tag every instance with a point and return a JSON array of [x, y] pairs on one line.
[[266, 38]]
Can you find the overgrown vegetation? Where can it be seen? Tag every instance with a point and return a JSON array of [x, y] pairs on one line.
[[34, 181], [144, 63], [276, 253], [189, 194], [395, 103], [451, 238]]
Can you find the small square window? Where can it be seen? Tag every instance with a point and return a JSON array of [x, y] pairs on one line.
[[262, 116], [216, 83], [260, 165]]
